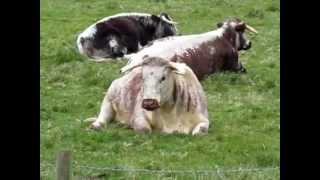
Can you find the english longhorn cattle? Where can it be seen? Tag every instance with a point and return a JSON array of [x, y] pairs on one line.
[[205, 53], [123, 33], [156, 95]]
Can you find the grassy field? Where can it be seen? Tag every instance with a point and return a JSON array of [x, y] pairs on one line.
[[244, 109]]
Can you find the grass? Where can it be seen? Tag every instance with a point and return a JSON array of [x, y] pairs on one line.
[[243, 109]]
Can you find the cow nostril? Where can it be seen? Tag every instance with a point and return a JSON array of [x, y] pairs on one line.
[[150, 104]]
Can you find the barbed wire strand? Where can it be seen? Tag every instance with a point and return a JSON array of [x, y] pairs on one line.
[[179, 171], [170, 171]]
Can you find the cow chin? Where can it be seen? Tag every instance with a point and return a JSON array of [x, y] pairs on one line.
[[150, 108]]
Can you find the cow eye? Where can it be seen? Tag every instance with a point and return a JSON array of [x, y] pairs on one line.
[[162, 79]]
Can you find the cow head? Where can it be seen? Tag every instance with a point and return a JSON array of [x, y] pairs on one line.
[[238, 27], [100, 42], [164, 26], [158, 81]]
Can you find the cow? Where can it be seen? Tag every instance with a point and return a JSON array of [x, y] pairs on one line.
[[123, 33], [156, 95], [205, 53]]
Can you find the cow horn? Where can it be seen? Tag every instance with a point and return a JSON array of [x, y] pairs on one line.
[[128, 68], [133, 64], [251, 29], [167, 20], [179, 68]]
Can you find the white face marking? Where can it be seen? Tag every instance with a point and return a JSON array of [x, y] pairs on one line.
[[233, 24], [168, 47], [113, 43]]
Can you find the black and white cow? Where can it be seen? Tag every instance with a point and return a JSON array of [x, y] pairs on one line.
[[124, 33]]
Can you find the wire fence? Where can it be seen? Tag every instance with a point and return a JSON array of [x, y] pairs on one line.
[[49, 170]]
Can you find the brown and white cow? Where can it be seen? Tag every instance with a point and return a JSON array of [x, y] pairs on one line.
[[156, 95], [205, 53]]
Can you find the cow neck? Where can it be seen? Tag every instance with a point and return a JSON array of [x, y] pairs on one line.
[[230, 36]]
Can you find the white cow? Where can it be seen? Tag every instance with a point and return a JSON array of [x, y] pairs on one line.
[[156, 95]]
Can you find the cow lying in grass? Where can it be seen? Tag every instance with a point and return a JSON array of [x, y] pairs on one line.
[[156, 95], [205, 53], [120, 34]]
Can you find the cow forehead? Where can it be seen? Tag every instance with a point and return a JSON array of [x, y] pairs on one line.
[[232, 22], [150, 72], [154, 70], [155, 66], [155, 61]]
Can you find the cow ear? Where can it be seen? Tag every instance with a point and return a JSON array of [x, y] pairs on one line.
[[240, 27], [129, 67], [178, 68], [219, 24], [165, 15]]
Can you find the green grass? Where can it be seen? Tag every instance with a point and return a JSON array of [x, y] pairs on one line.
[[243, 109]]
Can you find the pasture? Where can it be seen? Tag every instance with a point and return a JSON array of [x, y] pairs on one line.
[[244, 110]]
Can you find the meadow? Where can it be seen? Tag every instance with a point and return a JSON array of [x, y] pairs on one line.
[[244, 109]]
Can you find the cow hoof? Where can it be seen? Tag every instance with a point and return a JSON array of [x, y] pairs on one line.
[[143, 130], [200, 130], [243, 70], [96, 126]]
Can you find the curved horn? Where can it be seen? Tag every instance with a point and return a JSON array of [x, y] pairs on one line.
[[251, 29], [130, 67], [179, 68], [162, 17]]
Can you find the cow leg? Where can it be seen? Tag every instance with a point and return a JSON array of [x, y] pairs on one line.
[[240, 68], [106, 114], [201, 128], [140, 124]]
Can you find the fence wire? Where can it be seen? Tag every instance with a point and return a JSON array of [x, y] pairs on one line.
[[178, 171], [215, 171]]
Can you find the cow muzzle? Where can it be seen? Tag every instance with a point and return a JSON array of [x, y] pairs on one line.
[[150, 104], [247, 46]]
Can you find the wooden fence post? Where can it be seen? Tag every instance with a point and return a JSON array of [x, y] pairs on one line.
[[64, 165]]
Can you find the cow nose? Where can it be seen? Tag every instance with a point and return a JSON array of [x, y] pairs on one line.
[[248, 46], [150, 104]]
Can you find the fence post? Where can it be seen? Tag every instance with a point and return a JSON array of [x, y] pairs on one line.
[[64, 165]]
